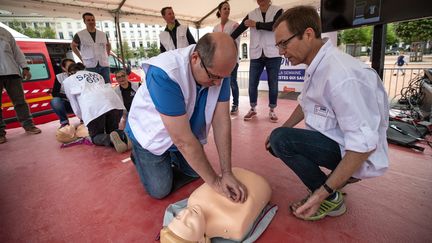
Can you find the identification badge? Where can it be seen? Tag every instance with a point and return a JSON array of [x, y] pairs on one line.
[[321, 110]]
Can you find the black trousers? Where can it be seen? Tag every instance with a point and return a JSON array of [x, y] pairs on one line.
[[101, 127]]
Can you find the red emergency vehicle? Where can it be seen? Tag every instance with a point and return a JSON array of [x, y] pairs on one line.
[[44, 57]]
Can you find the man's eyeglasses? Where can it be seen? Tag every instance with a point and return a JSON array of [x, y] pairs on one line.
[[121, 76], [209, 74], [282, 45]]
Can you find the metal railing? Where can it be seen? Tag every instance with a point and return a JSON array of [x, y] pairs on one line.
[[394, 79]]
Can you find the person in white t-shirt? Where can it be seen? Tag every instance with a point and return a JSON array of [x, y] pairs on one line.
[[345, 109], [228, 26], [97, 105]]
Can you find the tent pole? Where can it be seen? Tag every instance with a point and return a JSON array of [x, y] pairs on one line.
[[119, 39]]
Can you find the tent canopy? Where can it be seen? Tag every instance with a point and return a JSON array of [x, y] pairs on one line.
[[198, 13]]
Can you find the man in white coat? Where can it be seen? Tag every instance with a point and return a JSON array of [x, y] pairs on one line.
[[345, 109], [93, 47], [97, 105]]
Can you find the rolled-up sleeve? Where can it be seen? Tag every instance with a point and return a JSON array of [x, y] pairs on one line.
[[356, 108]]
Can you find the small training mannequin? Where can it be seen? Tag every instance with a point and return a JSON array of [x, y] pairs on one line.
[[223, 218]]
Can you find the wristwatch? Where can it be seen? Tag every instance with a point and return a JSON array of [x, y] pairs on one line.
[[328, 189]]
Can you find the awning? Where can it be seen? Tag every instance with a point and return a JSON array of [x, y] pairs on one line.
[[197, 13]]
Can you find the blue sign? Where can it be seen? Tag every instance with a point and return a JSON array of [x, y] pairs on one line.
[[287, 75]]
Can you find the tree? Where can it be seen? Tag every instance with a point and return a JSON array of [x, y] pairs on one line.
[[416, 30], [153, 50], [127, 51], [140, 52], [357, 37], [48, 33], [16, 26]]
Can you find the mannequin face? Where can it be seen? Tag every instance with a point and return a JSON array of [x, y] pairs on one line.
[[189, 224]]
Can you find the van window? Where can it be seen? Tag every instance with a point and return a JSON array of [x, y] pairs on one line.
[[38, 67]]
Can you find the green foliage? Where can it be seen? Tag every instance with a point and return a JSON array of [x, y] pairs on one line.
[[38, 32], [127, 51], [153, 50], [416, 30], [16, 26], [140, 52], [356, 36]]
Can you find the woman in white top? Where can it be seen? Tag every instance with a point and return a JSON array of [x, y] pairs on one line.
[[263, 53], [228, 26]]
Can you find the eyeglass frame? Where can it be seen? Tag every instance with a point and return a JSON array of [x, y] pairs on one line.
[[209, 74], [283, 44]]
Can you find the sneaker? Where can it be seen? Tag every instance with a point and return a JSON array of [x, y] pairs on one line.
[[32, 130], [234, 110], [124, 137], [3, 139], [251, 114], [118, 143], [333, 208], [273, 117]]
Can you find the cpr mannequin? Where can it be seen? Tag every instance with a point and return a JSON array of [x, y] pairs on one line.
[[70, 133], [222, 217]]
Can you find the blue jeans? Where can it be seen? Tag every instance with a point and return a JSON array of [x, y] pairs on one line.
[[272, 66], [234, 85], [304, 151], [104, 71], [155, 171], [62, 108]]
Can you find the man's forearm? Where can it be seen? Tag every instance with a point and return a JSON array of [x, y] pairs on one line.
[[77, 52], [349, 164], [222, 136], [296, 117]]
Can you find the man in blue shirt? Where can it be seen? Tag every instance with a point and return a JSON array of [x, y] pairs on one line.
[[185, 93]]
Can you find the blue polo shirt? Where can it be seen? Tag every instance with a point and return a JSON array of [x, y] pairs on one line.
[[168, 99]]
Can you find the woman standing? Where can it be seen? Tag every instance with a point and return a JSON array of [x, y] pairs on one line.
[[228, 26], [263, 53]]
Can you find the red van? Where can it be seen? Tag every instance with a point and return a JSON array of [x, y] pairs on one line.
[[44, 57]]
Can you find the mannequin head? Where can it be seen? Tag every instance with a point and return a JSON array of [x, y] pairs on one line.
[[66, 134], [189, 224], [213, 215]]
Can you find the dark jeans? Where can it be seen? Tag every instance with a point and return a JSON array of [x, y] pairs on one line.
[[155, 171], [304, 151], [234, 85], [13, 86], [100, 128], [272, 66], [62, 108], [104, 71]]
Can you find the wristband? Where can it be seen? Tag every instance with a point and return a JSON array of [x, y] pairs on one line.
[[328, 189]]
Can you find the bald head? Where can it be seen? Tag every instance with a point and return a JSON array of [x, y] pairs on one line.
[[217, 52]]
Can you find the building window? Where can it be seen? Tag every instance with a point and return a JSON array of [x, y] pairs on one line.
[[106, 25], [141, 44], [47, 24], [122, 25], [23, 25], [148, 43], [130, 25], [107, 34], [79, 25], [61, 35], [69, 25], [244, 51], [133, 44], [35, 25], [38, 66], [139, 33], [70, 35]]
